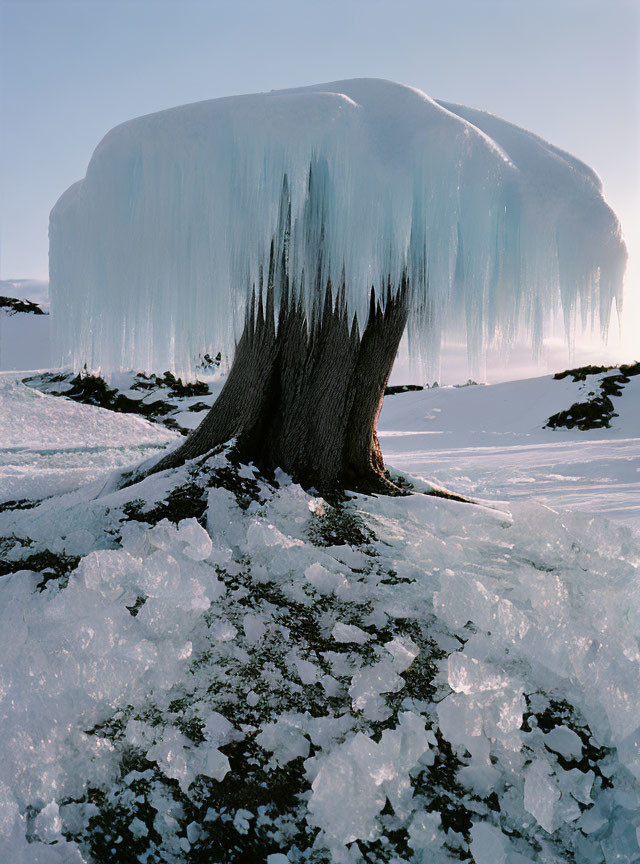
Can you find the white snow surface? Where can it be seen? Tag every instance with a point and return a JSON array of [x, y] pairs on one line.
[[49, 445], [489, 442], [484, 441], [153, 252], [505, 610]]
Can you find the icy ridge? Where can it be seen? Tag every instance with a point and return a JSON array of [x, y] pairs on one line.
[[152, 254]]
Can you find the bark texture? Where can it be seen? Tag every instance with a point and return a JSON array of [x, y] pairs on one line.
[[305, 396], [305, 390]]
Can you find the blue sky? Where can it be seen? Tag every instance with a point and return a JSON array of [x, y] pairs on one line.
[[72, 69]]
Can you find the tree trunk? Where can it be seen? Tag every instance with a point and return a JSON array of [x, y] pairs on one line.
[[306, 398]]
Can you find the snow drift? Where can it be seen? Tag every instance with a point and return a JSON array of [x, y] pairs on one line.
[[153, 253]]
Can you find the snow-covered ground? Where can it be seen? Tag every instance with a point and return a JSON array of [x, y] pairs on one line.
[[490, 442], [484, 441], [277, 679], [50, 445]]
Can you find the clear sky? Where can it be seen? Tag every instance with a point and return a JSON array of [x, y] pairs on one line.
[[72, 69]]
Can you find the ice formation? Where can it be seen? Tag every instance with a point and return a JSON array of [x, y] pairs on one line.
[[152, 254], [279, 675], [170, 691]]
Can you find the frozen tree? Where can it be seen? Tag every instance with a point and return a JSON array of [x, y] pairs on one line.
[[305, 230]]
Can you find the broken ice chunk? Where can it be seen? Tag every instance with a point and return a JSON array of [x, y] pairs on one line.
[[197, 542], [330, 686], [350, 557], [171, 752], [218, 730], [468, 675], [488, 844], [368, 683], [216, 764], [285, 738], [353, 781], [254, 628], [568, 809], [459, 719], [222, 630], [247, 472], [578, 784], [138, 828], [324, 581], [324, 731], [424, 831], [593, 820], [262, 536], [345, 801], [541, 794], [308, 672], [48, 824], [349, 633], [403, 650], [241, 820], [188, 538], [564, 741]]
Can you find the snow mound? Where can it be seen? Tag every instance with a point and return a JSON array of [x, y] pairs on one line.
[[277, 678], [153, 252]]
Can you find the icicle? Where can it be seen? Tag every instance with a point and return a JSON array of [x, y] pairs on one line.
[[356, 182]]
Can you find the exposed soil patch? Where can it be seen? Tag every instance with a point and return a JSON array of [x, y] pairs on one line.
[[598, 410], [49, 564], [160, 401], [12, 306]]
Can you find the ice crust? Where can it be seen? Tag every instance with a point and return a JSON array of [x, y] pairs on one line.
[[153, 252], [500, 611]]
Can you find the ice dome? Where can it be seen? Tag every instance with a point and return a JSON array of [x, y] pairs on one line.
[[153, 252]]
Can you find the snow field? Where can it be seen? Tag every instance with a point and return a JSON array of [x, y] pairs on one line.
[[461, 677], [484, 441], [489, 442], [50, 445]]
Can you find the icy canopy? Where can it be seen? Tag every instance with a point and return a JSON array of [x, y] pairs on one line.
[[152, 254]]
